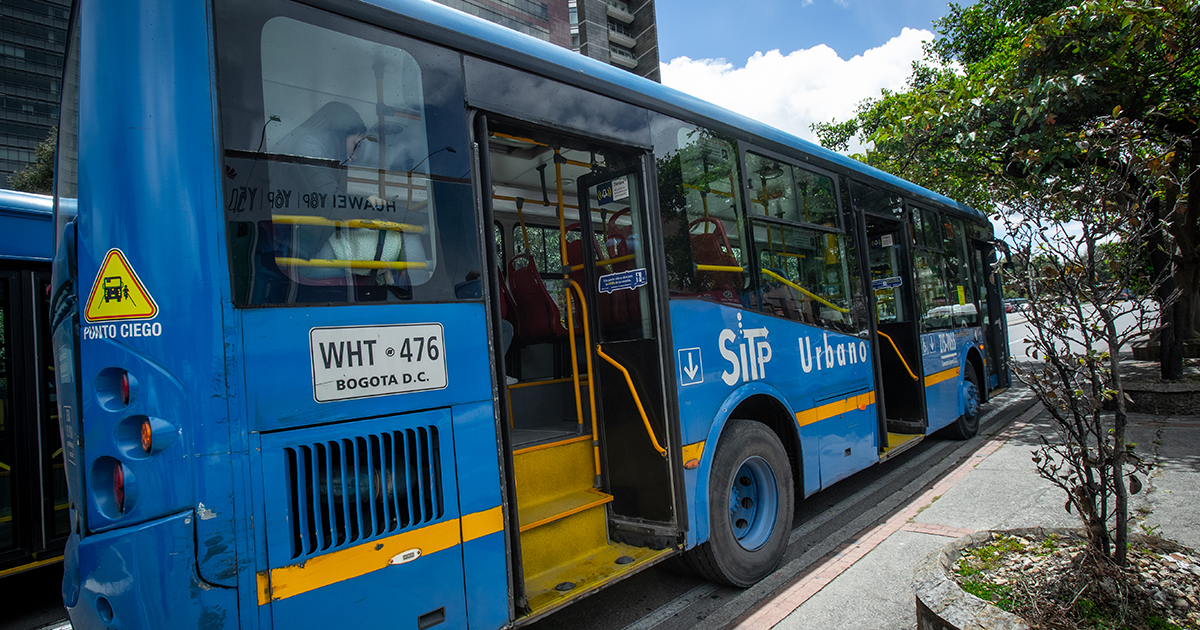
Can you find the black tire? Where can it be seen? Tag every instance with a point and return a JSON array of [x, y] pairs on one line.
[[754, 450], [967, 424]]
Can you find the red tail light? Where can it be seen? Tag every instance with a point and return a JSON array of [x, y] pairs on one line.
[[124, 388], [119, 487]]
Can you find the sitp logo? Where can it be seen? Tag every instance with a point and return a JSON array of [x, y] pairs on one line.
[[747, 352]]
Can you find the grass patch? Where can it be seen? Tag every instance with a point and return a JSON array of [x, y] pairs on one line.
[[998, 595]]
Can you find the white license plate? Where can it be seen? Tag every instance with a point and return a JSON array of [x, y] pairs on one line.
[[364, 361]]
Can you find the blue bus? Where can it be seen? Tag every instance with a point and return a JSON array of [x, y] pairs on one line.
[[378, 313], [33, 490]]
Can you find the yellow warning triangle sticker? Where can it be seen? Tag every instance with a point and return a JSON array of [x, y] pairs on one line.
[[118, 293]]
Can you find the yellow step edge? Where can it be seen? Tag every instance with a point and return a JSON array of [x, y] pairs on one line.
[[543, 513], [542, 447], [587, 575]]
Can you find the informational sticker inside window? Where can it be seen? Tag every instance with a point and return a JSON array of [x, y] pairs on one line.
[[887, 283], [365, 361], [623, 280], [886, 240], [616, 190]]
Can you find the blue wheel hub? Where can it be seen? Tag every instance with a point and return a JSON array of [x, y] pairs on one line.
[[971, 392], [753, 503]]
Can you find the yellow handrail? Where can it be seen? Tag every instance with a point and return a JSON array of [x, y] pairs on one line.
[[629, 381], [610, 261], [720, 268], [805, 291], [886, 336], [574, 355], [292, 219], [348, 264], [587, 340]]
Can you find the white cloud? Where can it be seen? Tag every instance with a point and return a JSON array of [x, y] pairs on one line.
[[806, 86]]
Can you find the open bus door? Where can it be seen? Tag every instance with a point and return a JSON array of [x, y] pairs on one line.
[[991, 305], [591, 495], [897, 337]]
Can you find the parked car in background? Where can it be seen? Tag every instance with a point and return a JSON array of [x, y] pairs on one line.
[[1014, 304]]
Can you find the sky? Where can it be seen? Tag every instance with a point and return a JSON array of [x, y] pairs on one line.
[[790, 63]]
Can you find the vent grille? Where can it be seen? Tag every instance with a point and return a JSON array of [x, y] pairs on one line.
[[349, 490]]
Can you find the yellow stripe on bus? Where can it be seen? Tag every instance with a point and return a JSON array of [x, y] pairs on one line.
[[945, 375], [331, 568], [816, 414], [32, 565]]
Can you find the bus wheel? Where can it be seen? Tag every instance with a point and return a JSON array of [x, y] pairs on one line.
[[750, 507], [967, 425]]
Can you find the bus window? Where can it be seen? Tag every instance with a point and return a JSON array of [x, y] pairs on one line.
[[929, 267], [337, 181], [806, 275], [785, 192], [542, 244], [958, 273], [699, 202]]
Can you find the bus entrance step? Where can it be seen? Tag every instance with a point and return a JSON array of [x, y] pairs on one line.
[[538, 514], [898, 443], [563, 540], [557, 587], [548, 472]]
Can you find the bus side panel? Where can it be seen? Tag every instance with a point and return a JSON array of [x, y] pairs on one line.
[[725, 355], [479, 498], [64, 322], [116, 595], [944, 356]]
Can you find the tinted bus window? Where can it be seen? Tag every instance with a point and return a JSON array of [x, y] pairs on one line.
[[782, 191], [346, 175], [958, 273], [929, 267], [699, 202], [806, 275]]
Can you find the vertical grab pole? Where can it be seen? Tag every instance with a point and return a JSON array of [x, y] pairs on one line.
[[574, 362], [587, 340]]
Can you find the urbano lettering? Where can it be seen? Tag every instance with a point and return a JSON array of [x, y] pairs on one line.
[[828, 356]]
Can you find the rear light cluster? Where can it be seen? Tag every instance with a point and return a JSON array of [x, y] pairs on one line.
[[136, 437]]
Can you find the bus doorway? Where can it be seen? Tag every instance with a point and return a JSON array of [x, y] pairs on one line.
[[585, 419], [991, 305], [898, 339]]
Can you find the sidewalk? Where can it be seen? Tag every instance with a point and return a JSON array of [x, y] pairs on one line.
[[867, 583]]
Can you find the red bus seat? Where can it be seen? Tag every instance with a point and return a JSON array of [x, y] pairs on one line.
[[538, 318], [713, 248]]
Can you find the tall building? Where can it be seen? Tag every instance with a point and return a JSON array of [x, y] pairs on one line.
[[33, 36], [617, 32]]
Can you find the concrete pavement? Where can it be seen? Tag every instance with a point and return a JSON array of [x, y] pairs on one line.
[[867, 583]]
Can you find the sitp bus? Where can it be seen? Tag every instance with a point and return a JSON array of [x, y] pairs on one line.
[[377, 313]]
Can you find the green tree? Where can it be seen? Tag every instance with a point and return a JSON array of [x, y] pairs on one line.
[[1076, 124], [38, 177], [1007, 96]]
